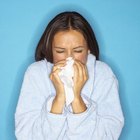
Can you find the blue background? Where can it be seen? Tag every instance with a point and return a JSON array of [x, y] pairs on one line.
[[117, 28]]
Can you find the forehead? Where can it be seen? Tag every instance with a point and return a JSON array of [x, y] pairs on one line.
[[70, 36]]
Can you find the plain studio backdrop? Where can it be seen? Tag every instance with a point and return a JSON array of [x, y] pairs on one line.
[[117, 28]]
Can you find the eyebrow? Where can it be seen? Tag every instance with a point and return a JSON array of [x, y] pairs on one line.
[[59, 47], [78, 47], [73, 48]]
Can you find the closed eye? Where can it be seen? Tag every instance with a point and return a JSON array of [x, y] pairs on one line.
[[60, 51], [78, 51]]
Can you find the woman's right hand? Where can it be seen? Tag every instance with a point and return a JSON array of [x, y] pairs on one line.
[[59, 100]]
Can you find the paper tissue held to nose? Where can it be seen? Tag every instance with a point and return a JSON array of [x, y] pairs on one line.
[[66, 74]]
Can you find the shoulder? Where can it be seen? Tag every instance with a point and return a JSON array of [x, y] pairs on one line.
[[37, 67], [103, 70], [104, 79], [36, 78]]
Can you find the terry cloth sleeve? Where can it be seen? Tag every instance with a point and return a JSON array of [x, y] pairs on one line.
[[33, 121], [103, 119]]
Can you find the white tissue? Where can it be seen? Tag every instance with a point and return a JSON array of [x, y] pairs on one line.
[[66, 74]]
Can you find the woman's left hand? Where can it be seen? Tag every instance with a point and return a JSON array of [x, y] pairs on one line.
[[80, 78]]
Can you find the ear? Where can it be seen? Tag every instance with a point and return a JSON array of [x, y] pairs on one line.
[[88, 51]]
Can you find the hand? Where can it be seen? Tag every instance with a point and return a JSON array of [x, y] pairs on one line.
[[60, 93], [80, 78], [59, 100]]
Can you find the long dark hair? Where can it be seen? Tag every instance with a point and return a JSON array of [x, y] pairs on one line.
[[62, 22]]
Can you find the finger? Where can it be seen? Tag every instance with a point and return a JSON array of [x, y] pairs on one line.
[[54, 75], [75, 71], [85, 72], [60, 62], [80, 68], [83, 69], [58, 66]]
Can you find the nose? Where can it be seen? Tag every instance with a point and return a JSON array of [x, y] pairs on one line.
[[69, 54]]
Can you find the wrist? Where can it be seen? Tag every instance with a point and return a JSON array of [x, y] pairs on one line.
[[77, 99], [60, 98], [78, 105], [57, 105]]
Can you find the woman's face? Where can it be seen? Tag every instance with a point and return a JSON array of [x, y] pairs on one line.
[[69, 43]]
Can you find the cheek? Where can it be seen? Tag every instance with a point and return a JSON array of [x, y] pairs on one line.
[[81, 57], [57, 58]]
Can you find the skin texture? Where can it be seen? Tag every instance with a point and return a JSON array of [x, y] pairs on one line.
[[65, 44]]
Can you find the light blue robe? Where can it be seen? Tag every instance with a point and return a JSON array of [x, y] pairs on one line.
[[103, 119]]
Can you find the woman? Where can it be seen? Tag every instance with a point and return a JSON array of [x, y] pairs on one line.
[[94, 113]]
